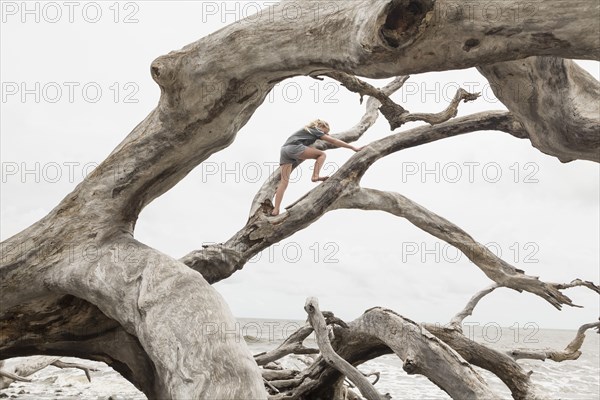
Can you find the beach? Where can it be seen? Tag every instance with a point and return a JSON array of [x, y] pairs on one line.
[[569, 380]]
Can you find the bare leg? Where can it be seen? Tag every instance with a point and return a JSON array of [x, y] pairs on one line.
[[286, 171], [319, 156]]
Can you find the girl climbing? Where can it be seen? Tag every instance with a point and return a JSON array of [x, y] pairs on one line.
[[296, 148]]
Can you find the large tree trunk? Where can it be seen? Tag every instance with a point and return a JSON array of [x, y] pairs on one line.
[[556, 101], [76, 282]]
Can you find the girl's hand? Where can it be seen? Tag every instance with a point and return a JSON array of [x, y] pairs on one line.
[[357, 149]]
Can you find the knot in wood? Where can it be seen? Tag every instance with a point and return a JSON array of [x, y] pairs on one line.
[[409, 366], [164, 72]]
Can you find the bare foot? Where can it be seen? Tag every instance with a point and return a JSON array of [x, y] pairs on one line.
[[319, 178], [275, 212]]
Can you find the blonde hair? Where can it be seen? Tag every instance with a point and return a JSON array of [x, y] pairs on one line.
[[318, 123]]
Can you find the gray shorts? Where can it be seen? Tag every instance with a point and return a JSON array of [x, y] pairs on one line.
[[290, 154]]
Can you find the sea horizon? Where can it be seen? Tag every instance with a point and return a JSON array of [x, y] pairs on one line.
[[569, 380]]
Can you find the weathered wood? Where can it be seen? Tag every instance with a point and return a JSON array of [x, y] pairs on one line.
[[457, 320], [571, 352], [218, 262], [380, 331], [167, 311], [291, 345], [395, 113], [331, 357], [274, 375], [504, 367], [11, 377], [84, 368], [21, 371], [424, 354], [494, 267], [267, 190], [346, 342], [31, 365], [556, 101]]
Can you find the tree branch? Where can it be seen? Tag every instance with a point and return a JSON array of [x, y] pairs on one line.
[[556, 101], [291, 345], [388, 107], [379, 331], [69, 326], [437, 118], [495, 268], [456, 322], [84, 368], [571, 352], [207, 95], [578, 282], [217, 262], [13, 377], [395, 113], [27, 367], [363, 339], [423, 353], [498, 363], [267, 190], [31, 365], [331, 357]]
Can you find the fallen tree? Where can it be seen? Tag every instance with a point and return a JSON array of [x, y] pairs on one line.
[[441, 353], [78, 283]]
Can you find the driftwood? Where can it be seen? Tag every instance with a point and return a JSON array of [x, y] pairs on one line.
[[395, 113], [441, 353], [378, 331], [331, 357], [31, 365], [530, 87], [78, 283], [292, 344], [571, 352]]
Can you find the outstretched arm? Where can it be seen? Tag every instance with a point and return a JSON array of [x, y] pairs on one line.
[[339, 143]]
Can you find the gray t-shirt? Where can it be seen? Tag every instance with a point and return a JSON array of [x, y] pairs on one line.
[[305, 136]]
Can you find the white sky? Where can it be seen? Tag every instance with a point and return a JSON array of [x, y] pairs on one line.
[[543, 216]]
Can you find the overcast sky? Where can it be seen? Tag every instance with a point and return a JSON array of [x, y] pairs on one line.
[[75, 81]]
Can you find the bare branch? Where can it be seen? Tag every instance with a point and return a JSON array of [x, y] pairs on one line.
[[578, 282], [397, 120], [498, 363], [395, 113], [376, 374], [278, 374], [285, 384], [216, 262], [291, 345], [495, 268], [388, 107], [571, 352], [307, 359], [14, 377], [368, 119], [318, 323], [457, 320], [368, 38], [26, 367], [86, 369], [267, 190], [556, 101], [423, 353], [31, 365], [273, 388]]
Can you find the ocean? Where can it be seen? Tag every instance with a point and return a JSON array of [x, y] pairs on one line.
[[569, 380]]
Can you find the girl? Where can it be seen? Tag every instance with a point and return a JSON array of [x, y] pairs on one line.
[[296, 149]]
